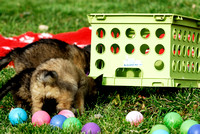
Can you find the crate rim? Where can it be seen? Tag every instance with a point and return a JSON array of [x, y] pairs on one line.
[[142, 14]]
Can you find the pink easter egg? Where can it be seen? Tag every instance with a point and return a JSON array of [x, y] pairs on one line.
[[41, 117], [66, 113]]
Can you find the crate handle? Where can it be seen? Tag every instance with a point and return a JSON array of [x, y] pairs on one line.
[[100, 17], [159, 17], [178, 18], [198, 23]]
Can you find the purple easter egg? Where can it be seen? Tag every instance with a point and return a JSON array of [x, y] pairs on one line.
[[91, 128]]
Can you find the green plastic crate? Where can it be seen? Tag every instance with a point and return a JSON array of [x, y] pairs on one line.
[[145, 49]]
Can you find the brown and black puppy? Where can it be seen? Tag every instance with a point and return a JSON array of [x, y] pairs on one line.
[[32, 55], [56, 79], [38, 52], [63, 81]]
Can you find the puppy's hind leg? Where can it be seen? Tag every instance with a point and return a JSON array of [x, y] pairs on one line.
[[79, 102], [80, 95]]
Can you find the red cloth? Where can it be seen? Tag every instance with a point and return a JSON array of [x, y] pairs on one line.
[[81, 38]]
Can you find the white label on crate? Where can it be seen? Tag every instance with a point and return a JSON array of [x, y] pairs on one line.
[[130, 62]]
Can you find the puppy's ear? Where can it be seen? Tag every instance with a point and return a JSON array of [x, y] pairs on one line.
[[94, 85], [99, 80], [88, 48], [47, 77]]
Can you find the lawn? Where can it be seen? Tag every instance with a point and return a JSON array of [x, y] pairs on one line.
[[113, 103]]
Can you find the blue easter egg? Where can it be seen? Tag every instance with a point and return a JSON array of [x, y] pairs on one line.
[[194, 129], [57, 121], [17, 116], [160, 131]]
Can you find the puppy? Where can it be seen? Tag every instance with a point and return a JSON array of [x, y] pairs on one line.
[[38, 52], [61, 80], [57, 79], [26, 59]]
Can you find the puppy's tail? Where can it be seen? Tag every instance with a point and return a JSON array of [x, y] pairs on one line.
[[10, 85], [16, 82], [4, 61], [7, 87]]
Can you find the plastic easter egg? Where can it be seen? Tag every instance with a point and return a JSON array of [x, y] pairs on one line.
[[66, 113], [134, 117], [57, 121], [17, 116], [41, 117], [158, 127], [186, 125], [173, 120], [160, 131], [194, 129], [72, 123], [91, 128]]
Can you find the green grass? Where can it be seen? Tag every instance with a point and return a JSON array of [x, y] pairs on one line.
[[113, 103]]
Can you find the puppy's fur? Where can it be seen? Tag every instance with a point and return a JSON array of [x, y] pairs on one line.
[[19, 86], [57, 79], [63, 81], [40, 51], [26, 59]]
